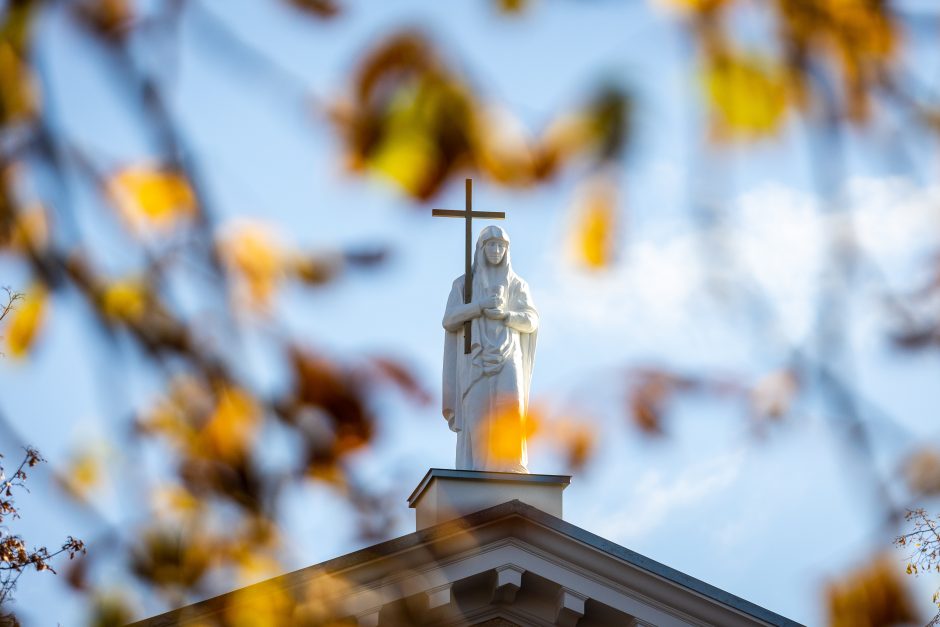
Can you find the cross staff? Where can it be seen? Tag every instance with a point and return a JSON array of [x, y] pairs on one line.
[[468, 214]]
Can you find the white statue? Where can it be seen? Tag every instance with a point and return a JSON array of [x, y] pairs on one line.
[[486, 392]]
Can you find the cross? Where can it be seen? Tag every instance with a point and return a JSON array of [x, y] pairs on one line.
[[468, 214]]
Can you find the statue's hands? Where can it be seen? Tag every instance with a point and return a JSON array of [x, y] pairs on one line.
[[496, 313], [490, 302]]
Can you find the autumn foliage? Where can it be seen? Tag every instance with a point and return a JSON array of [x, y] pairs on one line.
[[409, 116], [16, 557]]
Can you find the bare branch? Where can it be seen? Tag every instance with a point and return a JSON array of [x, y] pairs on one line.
[[12, 298]]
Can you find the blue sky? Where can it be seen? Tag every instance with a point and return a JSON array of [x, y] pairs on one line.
[[767, 518]]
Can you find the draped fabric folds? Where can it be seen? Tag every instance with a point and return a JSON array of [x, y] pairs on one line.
[[486, 392]]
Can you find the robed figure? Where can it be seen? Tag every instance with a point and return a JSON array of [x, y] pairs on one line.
[[486, 392]]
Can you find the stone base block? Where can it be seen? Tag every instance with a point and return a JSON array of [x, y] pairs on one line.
[[447, 494]]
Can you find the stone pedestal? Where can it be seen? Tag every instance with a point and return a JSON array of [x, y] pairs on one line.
[[447, 494]]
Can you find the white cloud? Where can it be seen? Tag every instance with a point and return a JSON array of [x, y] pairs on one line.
[[655, 498], [777, 237]]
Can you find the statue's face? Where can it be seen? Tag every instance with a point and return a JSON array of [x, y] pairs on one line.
[[495, 250]]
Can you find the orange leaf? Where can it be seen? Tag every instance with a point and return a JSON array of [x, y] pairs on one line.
[[231, 429], [18, 98], [872, 595]]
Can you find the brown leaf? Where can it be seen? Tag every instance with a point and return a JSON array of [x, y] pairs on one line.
[[321, 384], [773, 395], [400, 376], [19, 98], [598, 130], [323, 9], [512, 7], [871, 596], [109, 19], [856, 42], [649, 395], [922, 471], [171, 557], [316, 269], [579, 441]]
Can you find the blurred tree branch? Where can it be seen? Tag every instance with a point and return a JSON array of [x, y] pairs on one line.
[[410, 118], [11, 298]]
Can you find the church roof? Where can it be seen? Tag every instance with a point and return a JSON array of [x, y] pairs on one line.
[[510, 564]]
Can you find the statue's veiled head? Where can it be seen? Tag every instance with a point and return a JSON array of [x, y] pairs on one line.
[[495, 251], [494, 244]]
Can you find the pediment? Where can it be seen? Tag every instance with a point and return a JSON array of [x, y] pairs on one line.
[[510, 564]]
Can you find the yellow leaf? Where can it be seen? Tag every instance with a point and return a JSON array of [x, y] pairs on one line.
[[149, 197], [256, 258], [26, 320], [267, 604], [254, 565], [82, 473], [175, 501], [407, 152], [408, 118], [747, 94], [125, 300], [406, 156], [595, 227]]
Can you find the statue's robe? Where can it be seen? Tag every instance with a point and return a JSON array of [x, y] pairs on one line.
[[486, 392]]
